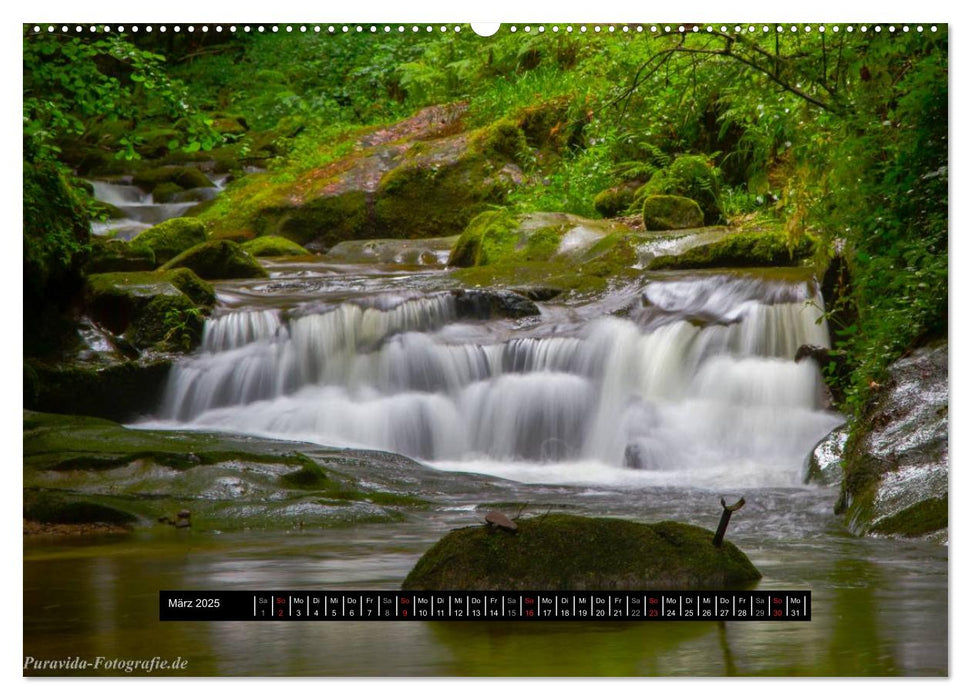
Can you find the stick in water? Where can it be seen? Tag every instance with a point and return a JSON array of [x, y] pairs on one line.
[[723, 523]]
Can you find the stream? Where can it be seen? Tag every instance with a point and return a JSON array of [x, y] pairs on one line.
[[648, 402]]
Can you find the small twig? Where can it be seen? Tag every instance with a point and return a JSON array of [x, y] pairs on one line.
[[723, 523]]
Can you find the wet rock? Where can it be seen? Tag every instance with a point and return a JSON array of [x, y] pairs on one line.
[[824, 464], [896, 459], [762, 246], [421, 251], [489, 303], [218, 260], [107, 255], [570, 552]]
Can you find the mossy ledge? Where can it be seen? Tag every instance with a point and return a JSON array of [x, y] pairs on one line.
[[568, 552]]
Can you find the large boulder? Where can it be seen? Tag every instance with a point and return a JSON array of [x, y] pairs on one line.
[[825, 463], [419, 178], [218, 260], [896, 460], [169, 238], [666, 212], [763, 246], [161, 308], [543, 249], [560, 552]]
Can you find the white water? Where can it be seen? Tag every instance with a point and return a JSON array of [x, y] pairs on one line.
[[697, 387], [140, 209]]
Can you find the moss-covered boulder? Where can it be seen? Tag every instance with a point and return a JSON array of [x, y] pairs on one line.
[[114, 255], [370, 183], [750, 248], [543, 249], [218, 260], [273, 246], [895, 460], [689, 176], [185, 177], [666, 212], [119, 391], [616, 200], [571, 552], [171, 237], [150, 308]]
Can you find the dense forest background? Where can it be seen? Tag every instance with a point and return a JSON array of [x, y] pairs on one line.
[[843, 135]]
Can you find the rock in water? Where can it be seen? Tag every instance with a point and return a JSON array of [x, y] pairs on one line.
[[571, 552], [896, 460]]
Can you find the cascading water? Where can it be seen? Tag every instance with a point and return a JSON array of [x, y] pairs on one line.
[[697, 385], [140, 210]]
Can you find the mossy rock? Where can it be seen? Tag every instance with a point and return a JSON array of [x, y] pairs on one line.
[[502, 140], [185, 177], [119, 391], [218, 260], [563, 552], [166, 192], [666, 212], [323, 221], [616, 200], [108, 210], [769, 248], [113, 255], [172, 237], [45, 507], [552, 125], [689, 176], [273, 246], [151, 308]]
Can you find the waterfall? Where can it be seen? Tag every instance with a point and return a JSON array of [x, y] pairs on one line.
[[700, 372], [139, 209]]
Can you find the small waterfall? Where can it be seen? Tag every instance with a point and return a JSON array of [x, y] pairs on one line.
[[702, 373], [140, 210]]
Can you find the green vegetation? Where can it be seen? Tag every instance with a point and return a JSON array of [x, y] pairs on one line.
[[839, 139], [554, 552], [758, 245], [665, 212]]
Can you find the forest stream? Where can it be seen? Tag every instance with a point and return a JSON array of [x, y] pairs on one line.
[[647, 402]]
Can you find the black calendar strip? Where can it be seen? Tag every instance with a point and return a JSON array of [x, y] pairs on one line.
[[618, 606]]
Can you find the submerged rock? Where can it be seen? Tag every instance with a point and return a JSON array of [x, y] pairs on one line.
[[218, 260], [491, 303], [571, 552], [896, 460]]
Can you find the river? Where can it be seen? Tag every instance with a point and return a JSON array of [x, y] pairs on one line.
[[649, 401]]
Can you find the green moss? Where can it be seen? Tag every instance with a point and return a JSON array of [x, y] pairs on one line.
[[922, 518], [664, 212], [185, 177], [172, 320], [571, 552], [218, 260], [692, 177], [129, 285], [172, 237], [615, 201], [272, 246], [502, 140], [165, 192], [743, 249], [325, 220], [113, 255], [45, 507], [309, 476]]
